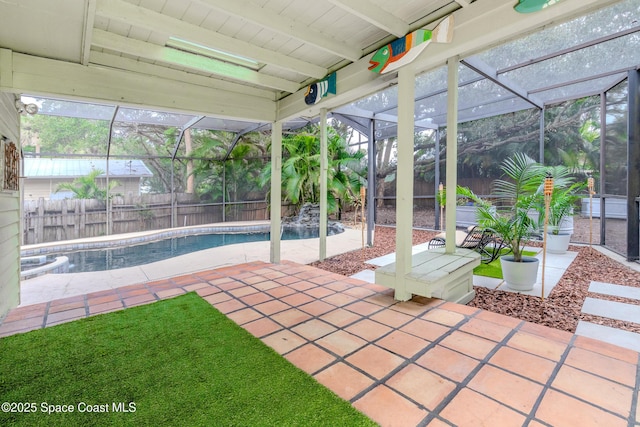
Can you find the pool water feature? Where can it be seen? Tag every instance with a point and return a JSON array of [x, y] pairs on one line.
[[112, 258], [38, 265]]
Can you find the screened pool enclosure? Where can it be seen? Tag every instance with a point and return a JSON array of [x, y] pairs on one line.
[[568, 94]]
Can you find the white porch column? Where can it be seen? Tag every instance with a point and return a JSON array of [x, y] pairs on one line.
[[276, 191], [404, 179], [452, 153], [324, 166]]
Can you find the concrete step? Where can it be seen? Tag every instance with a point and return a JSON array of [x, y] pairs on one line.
[[615, 290], [626, 339], [365, 275], [612, 310]]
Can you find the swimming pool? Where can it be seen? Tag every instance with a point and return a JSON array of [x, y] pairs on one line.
[[113, 258]]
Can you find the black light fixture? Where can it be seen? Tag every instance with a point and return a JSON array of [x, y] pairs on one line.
[[529, 6]]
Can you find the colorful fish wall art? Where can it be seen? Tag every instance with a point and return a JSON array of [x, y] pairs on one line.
[[404, 50], [316, 91]]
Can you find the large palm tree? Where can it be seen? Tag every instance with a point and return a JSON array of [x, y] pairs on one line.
[[301, 169]]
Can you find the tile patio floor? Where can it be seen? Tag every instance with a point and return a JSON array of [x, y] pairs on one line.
[[416, 363]]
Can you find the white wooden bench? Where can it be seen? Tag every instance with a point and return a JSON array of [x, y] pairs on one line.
[[435, 274]]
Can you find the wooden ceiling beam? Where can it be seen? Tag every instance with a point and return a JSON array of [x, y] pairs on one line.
[[374, 15], [283, 25], [187, 60], [61, 79], [136, 16]]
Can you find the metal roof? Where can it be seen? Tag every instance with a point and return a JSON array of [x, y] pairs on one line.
[[40, 167]]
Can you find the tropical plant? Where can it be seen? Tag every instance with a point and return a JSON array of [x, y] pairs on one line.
[[232, 176], [462, 198], [522, 191], [441, 196], [563, 198], [561, 206], [86, 187], [301, 169]]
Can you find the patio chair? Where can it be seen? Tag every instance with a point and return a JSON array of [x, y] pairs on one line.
[[482, 240]]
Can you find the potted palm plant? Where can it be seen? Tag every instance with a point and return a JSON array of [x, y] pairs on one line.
[[561, 207], [521, 188]]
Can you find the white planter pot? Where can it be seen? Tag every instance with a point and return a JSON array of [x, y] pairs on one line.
[[558, 243], [465, 216], [520, 276], [566, 225], [616, 208]]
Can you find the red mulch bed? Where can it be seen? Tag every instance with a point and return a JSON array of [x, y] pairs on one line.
[[560, 310]]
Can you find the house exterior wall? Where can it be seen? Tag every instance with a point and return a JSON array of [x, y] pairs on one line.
[[9, 216], [35, 188]]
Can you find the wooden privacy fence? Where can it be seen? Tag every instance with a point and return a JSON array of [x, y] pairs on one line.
[[54, 220], [424, 191]]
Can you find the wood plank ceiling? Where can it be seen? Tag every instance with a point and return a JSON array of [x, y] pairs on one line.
[[271, 48], [287, 43], [230, 58]]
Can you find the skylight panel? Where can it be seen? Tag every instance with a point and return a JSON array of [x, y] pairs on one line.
[[210, 52]]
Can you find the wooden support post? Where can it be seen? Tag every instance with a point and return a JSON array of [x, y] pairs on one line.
[[633, 165], [324, 166], [404, 179], [371, 182], [452, 153], [276, 191]]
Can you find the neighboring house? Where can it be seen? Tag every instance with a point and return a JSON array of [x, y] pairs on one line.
[[43, 175]]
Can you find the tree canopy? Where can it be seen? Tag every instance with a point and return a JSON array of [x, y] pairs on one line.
[[301, 169]]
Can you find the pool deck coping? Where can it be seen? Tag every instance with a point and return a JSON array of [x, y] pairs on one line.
[[55, 286], [141, 237]]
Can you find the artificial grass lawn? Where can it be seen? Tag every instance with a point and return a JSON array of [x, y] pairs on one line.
[[493, 269], [180, 361]]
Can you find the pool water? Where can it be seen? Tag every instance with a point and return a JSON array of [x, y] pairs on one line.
[[131, 256]]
